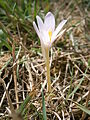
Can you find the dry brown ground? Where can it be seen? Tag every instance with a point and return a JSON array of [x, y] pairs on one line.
[[70, 68]]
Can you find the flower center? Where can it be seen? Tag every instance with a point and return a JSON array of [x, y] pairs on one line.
[[50, 34]]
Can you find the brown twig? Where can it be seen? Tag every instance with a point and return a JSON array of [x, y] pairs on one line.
[[14, 115], [5, 92], [14, 74]]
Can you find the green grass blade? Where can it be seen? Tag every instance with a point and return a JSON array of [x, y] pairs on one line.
[[23, 105], [7, 45], [77, 87], [35, 9], [5, 65], [83, 108], [44, 108]]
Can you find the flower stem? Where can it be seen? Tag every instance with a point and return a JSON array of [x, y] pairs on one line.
[[48, 71]]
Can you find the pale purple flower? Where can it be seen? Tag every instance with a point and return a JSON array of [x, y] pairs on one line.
[[46, 30]]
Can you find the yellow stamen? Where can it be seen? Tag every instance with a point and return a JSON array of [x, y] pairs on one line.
[[50, 34]]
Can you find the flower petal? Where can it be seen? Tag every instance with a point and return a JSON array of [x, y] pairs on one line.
[[45, 44], [58, 36], [40, 23], [49, 22], [43, 36], [46, 39], [36, 29], [59, 27], [43, 50]]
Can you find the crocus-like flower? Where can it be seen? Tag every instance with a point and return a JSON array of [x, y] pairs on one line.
[[46, 30], [48, 34]]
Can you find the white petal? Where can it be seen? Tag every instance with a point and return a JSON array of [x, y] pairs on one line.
[[36, 29], [59, 27], [40, 23], [43, 50], [46, 39], [58, 36], [49, 21], [61, 33], [45, 44]]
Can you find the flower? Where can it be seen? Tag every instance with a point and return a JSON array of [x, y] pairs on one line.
[[48, 34], [46, 30]]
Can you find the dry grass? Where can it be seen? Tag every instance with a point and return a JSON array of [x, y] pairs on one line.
[[70, 70]]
